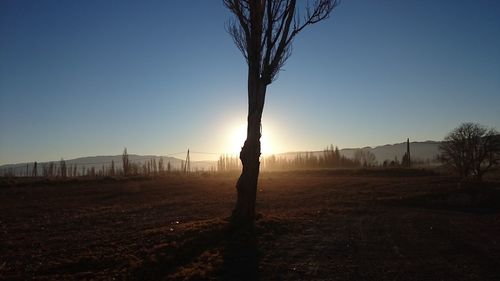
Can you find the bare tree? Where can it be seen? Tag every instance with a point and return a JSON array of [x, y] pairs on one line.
[[471, 149], [365, 158], [125, 163], [161, 166], [264, 32], [35, 170], [51, 169], [62, 168]]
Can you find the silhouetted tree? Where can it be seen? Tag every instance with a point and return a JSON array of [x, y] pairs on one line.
[[337, 157], [9, 172], [471, 149], [35, 170], [365, 158], [264, 31], [161, 166], [51, 169], [62, 168], [408, 154], [227, 163], [134, 168], [125, 163], [405, 160], [155, 167], [91, 172]]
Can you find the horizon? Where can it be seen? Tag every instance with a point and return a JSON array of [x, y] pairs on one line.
[[80, 78], [215, 156]]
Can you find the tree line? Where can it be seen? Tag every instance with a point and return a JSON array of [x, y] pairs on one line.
[[62, 169], [329, 158]]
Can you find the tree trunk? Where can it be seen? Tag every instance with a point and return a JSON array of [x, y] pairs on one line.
[[244, 212]]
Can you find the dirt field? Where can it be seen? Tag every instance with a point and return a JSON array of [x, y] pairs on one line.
[[321, 225]]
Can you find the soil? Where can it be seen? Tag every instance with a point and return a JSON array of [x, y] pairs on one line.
[[312, 225]]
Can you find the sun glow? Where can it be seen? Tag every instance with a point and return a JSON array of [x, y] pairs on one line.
[[237, 136]]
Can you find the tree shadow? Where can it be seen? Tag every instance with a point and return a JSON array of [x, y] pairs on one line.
[[165, 260], [240, 255], [238, 249]]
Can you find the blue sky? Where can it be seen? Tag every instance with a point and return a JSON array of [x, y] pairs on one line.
[[82, 78]]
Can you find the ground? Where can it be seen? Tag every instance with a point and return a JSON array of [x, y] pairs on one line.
[[312, 225]]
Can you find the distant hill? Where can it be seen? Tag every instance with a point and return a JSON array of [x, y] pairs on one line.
[[97, 162], [427, 150]]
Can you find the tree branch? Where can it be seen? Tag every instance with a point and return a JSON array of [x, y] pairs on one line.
[[264, 30]]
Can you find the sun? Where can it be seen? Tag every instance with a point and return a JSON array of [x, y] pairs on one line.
[[237, 136]]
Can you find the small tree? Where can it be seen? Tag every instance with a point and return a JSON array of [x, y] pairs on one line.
[[51, 169], [471, 150], [405, 160], [365, 158], [35, 170], [125, 162], [161, 166], [62, 167]]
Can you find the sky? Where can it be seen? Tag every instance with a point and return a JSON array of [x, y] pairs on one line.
[[85, 78]]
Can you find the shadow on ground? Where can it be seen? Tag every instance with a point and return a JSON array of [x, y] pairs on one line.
[[237, 250], [240, 255], [165, 260]]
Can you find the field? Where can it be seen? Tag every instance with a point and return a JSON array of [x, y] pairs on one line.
[[312, 225]]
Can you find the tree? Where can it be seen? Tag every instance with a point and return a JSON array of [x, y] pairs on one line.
[[112, 168], [62, 167], [125, 162], [51, 169], [161, 166], [471, 149], [264, 31], [35, 170], [365, 158]]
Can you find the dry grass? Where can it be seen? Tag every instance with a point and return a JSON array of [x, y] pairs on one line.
[[315, 225]]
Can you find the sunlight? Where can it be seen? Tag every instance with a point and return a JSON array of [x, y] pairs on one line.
[[237, 136]]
